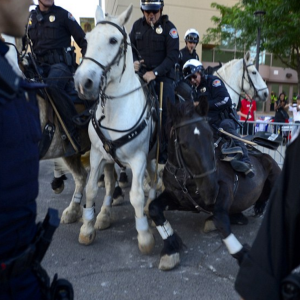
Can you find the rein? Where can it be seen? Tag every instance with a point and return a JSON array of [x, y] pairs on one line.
[[182, 167]]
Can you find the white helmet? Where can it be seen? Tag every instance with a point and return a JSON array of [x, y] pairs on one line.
[[191, 67], [192, 36]]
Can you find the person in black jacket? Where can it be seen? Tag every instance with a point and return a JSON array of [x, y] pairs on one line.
[[220, 113], [157, 43], [20, 132], [191, 39]]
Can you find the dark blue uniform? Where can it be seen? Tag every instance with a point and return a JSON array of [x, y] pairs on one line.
[[50, 33], [220, 107], [159, 48], [20, 132], [184, 56]]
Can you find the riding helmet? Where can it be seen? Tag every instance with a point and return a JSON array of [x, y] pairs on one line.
[[191, 67], [192, 36], [151, 4]]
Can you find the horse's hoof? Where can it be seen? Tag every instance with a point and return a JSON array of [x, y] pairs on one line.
[[123, 180], [103, 220], [71, 214], [57, 184], [209, 226], [118, 196], [146, 246], [86, 235], [169, 262], [101, 182]]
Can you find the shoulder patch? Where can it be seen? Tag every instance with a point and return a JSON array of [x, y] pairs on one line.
[[173, 33], [70, 16], [216, 83]]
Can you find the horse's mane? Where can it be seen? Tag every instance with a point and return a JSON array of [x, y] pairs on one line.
[[182, 109]]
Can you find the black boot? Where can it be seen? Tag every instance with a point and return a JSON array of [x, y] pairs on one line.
[[243, 167]]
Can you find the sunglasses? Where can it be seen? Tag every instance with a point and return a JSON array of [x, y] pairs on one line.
[[151, 11], [193, 77]]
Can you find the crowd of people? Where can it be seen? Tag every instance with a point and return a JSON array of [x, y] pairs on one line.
[[156, 40]]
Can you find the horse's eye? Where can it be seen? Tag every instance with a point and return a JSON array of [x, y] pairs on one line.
[[254, 73], [113, 41]]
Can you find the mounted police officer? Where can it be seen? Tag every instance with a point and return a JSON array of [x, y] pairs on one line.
[[220, 112], [156, 39], [191, 39], [21, 275], [50, 29]]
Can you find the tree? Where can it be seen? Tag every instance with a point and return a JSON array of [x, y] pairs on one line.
[[280, 28]]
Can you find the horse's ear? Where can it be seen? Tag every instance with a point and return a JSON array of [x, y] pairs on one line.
[[99, 14], [247, 57], [202, 107], [125, 16]]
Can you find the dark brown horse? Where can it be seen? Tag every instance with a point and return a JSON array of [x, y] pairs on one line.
[[196, 180]]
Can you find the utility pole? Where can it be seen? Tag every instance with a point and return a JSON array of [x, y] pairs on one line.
[[259, 14]]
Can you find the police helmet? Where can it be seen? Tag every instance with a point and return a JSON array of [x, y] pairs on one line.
[[151, 4], [192, 36], [191, 67]]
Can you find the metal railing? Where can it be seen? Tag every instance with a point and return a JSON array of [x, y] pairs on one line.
[[285, 130]]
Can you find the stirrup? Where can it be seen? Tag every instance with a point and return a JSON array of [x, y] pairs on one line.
[[232, 153]]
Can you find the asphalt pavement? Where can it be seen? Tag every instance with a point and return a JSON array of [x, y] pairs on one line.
[[112, 268]]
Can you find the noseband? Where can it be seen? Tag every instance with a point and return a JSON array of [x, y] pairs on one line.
[[182, 165]]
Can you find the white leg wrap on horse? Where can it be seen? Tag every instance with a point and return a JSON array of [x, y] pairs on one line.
[[77, 198], [141, 224], [232, 244], [107, 201], [165, 231], [152, 194], [88, 213]]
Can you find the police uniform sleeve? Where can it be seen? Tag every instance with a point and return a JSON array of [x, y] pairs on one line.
[[219, 96], [172, 51], [76, 31], [133, 42]]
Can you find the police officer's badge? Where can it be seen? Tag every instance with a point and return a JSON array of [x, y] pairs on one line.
[[159, 30], [52, 18], [203, 90], [29, 22]]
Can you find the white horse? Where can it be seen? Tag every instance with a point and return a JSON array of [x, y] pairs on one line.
[[107, 69], [240, 76]]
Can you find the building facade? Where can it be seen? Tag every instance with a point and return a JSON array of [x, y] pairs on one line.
[[197, 14]]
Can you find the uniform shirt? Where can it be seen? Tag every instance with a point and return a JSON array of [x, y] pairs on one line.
[[20, 132], [217, 96], [185, 55], [158, 47], [247, 106], [54, 31]]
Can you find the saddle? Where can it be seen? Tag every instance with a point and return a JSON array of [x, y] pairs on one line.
[[266, 139]]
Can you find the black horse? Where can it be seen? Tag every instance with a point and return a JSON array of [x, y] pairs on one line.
[[196, 179]]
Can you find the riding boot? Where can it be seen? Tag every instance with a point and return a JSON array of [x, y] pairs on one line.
[[243, 165]]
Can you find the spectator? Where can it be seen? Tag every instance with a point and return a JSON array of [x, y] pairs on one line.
[[247, 113], [281, 115]]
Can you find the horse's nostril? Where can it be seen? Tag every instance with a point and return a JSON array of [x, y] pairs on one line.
[[88, 84], [265, 94]]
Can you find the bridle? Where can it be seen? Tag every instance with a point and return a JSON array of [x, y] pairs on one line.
[[249, 80], [182, 172], [116, 60], [182, 165]]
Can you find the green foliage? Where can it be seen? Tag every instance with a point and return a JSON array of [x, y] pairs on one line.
[[280, 28]]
